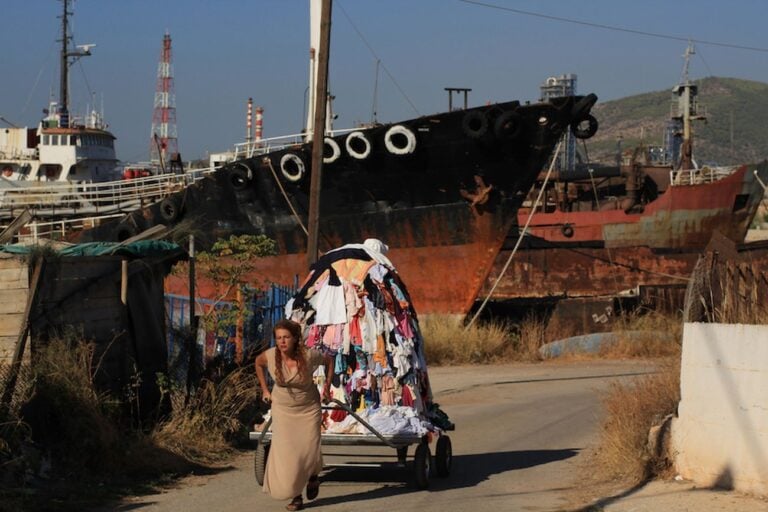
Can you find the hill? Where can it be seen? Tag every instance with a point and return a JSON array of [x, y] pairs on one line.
[[735, 130]]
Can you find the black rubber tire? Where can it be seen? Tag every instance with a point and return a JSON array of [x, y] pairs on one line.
[[124, 232], [169, 209], [443, 456], [240, 177], [567, 230], [260, 462], [508, 126], [422, 460], [581, 132], [474, 124]]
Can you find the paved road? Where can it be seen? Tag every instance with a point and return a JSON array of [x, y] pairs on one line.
[[521, 433]]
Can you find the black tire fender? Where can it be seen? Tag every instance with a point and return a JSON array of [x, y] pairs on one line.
[[584, 132], [567, 230], [240, 176], [170, 210], [508, 126], [125, 231], [474, 124]]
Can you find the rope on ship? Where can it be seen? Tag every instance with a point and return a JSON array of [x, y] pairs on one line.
[[523, 232], [287, 200]]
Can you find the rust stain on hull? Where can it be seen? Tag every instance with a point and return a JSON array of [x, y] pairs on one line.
[[444, 254], [585, 272]]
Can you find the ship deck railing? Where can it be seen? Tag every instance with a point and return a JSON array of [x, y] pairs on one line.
[[699, 176], [254, 148], [63, 199], [34, 232]]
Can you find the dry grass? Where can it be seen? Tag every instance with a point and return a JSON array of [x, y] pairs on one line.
[[201, 430], [447, 341], [86, 446], [631, 409], [649, 335]]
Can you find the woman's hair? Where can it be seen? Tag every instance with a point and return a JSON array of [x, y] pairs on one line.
[[298, 349]]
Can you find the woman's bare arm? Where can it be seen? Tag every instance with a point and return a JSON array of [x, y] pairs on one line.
[[261, 364]]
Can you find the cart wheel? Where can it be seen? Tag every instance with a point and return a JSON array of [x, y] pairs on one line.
[[421, 463], [260, 462], [443, 456]]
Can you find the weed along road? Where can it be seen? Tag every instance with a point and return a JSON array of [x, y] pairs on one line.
[[522, 435]]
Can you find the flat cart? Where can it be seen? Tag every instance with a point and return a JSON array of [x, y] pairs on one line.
[[424, 464]]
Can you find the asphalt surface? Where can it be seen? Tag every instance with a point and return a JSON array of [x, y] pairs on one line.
[[522, 436]]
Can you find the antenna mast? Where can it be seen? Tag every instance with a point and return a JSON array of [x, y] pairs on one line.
[[164, 144], [82, 51]]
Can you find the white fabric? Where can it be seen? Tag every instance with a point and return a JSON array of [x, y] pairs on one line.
[[368, 327], [330, 306], [387, 420], [375, 248]]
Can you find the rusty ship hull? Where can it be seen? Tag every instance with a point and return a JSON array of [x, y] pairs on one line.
[[443, 196], [648, 254]]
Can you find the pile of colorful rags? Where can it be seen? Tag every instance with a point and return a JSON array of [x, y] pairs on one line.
[[354, 307]]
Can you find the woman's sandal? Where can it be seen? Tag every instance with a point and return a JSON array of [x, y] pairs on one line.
[[313, 487], [295, 504]]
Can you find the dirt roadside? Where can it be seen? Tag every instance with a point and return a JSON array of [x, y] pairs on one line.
[[677, 496]]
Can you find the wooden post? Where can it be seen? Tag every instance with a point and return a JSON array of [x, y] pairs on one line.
[[318, 134], [124, 282], [192, 342], [10, 385]]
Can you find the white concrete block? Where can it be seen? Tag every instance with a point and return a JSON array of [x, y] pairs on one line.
[[721, 434]]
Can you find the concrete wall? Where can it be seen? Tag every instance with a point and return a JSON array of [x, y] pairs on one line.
[[720, 437]]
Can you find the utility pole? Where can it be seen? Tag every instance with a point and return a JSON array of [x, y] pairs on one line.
[[318, 134]]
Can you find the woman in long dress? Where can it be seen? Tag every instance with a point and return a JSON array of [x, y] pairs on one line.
[[294, 456]]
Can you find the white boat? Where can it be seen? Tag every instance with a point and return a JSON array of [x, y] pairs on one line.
[[65, 172]]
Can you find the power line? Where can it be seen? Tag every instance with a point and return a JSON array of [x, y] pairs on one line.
[[616, 29], [370, 48]]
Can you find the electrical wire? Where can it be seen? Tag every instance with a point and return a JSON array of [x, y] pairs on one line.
[[614, 28], [373, 52]]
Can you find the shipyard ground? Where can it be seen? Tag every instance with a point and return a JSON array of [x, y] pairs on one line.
[[523, 438]]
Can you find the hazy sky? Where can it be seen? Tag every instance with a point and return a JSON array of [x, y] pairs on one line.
[[227, 50]]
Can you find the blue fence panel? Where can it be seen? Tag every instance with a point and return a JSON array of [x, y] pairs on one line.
[[262, 310]]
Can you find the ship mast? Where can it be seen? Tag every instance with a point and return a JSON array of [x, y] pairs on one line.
[[687, 110], [81, 51]]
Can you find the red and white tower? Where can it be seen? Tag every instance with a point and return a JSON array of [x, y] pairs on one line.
[[164, 144]]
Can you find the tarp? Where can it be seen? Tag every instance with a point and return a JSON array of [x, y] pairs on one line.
[[140, 249]]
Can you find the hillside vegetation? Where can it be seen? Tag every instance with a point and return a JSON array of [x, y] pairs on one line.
[[733, 133]]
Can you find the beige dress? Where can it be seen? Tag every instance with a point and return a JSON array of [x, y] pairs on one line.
[[294, 454]]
